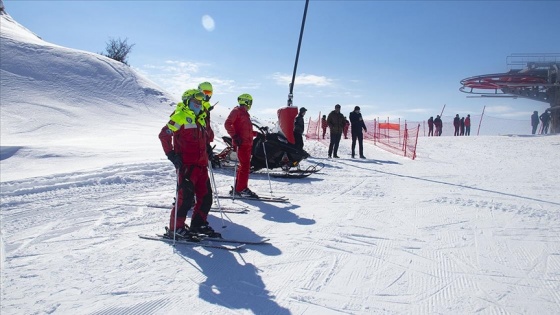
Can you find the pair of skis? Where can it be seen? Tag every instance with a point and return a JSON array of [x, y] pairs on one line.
[[211, 242]]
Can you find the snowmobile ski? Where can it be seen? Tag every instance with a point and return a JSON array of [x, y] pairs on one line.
[[290, 175]]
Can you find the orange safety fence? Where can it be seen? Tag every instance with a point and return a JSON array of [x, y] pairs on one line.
[[393, 137]]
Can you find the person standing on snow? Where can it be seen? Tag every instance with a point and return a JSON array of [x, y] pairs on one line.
[[431, 126], [346, 127], [468, 125], [545, 119], [535, 121], [299, 128], [456, 124], [207, 89], [357, 126], [336, 125], [324, 125], [184, 140], [240, 128], [439, 125]]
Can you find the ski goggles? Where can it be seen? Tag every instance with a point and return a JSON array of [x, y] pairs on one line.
[[246, 102], [199, 96], [207, 94]]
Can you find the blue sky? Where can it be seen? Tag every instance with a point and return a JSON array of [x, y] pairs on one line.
[[392, 58]]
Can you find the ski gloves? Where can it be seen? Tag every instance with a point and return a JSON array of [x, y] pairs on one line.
[[237, 140], [210, 151], [175, 159]]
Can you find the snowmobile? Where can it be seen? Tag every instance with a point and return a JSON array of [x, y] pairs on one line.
[[272, 151]]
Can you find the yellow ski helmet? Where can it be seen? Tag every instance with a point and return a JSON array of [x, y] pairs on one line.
[[245, 100]]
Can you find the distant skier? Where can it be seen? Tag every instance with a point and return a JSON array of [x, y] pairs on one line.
[[462, 126]]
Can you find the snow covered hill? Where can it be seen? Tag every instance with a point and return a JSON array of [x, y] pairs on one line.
[[72, 97], [471, 226]]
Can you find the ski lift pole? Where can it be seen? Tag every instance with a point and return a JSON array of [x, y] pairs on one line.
[[291, 94]]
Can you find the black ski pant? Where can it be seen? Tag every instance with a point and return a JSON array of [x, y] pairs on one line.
[[360, 137], [299, 140], [333, 145]]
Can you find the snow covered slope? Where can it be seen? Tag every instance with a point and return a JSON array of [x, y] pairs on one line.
[[53, 95]]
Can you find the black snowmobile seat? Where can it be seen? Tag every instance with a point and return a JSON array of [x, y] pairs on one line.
[[227, 140]]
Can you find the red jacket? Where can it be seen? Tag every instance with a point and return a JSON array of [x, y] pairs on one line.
[[238, 124], [209, 131], [189, 142]]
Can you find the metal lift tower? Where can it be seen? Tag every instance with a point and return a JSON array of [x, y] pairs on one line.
[[532, 76]]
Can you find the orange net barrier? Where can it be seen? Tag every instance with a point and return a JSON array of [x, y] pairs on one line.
[[394, 137]]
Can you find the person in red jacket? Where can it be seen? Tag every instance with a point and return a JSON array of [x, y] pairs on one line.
[[346, 126], [240, 128], [184, 140], [431, 126], [468, 125]]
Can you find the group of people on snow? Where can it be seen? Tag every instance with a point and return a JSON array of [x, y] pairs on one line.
[[544, 119], [186, 142], [461, 125], [338, 124]]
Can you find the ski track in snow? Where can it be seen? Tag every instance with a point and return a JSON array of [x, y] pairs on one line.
[[399, 248]]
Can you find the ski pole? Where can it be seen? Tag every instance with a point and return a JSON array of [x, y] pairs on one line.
[[176, 207], [213, 184], [234, 177], [267, 171]]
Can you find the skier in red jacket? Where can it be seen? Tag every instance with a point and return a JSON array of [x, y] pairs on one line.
[[184, 140], [240, 128]]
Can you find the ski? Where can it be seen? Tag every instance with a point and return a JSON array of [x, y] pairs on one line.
[[213, 209], [201, 243], [267, 199], [261, 241]]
